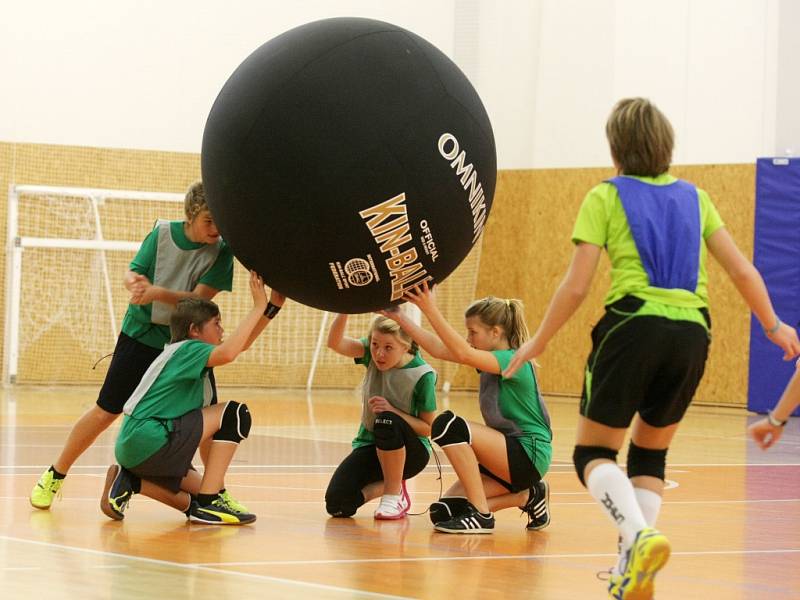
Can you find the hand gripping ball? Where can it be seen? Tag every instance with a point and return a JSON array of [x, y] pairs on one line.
[[348, 160]]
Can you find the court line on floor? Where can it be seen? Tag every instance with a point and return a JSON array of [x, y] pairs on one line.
[[414, 493], [336, 561], [758, 501], [207, 568], [569, 467]]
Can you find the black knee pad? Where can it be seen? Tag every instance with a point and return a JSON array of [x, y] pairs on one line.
[[583, 455], [388, 435], [343, 503], [449, 429], [643, 461], [446, 508], [235, 423]]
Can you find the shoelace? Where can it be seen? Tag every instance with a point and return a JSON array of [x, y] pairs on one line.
[[438, 478], [222, 502], [57, 491], [121, 503], [605, 575], [390, 505], [227, 504], [527, 509]]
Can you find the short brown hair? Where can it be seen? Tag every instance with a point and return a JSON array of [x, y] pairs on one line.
[[188, 312], [640, 137], [195, 201]]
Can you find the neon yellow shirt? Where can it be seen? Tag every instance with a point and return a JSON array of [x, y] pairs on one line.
[[601, 221]]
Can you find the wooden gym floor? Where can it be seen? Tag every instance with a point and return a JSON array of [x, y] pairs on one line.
[[731, 511]]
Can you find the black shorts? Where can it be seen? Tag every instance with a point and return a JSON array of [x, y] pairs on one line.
[[170, 463], [523, 473], [362, 467], [128, 364], [645, 364]]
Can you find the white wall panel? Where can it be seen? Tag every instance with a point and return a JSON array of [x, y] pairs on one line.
[[143, 74], [575, 85], [726, 79]]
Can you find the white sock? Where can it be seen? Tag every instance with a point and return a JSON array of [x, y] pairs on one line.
[[650, 503], [614, 492]]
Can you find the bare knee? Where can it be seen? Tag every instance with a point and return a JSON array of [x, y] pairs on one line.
[[101, 417]]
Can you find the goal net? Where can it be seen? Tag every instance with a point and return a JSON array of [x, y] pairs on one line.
[[68, 251]]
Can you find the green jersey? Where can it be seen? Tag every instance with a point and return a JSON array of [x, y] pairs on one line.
[[167, 257], [423, 392], [602, 221], [514, 407], [174, 385]]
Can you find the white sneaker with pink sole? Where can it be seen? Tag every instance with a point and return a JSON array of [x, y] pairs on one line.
[[394, 506]]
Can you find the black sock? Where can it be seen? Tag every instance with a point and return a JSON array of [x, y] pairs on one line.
[[56, 474], [136, 483], [206, 499], [188, 511]]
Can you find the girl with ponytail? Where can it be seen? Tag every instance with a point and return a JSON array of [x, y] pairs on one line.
[[499, 463]]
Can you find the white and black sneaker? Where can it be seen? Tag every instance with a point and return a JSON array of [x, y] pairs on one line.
[[538, 506], [446, 508], [470, 521]]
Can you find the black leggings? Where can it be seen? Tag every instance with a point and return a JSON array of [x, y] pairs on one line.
[[362, 467]]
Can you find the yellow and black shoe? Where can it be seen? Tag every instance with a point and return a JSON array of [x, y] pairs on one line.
[[232, 502], [648, 555], [218, 512], [117, 492], [47, 488]]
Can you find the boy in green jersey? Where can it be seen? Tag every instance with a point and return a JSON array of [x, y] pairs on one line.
[[166, 421], [177, 259]]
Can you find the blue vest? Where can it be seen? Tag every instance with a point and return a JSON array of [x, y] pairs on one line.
[[665, 223]]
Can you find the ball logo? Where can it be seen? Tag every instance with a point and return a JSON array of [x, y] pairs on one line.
[[359, 272], [356, 272], [389, 226], [449, 149]]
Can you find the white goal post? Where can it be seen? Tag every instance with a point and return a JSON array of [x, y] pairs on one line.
[[18, 243], [68, 249]]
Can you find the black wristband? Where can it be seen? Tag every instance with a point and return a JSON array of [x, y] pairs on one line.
[[272, 310]]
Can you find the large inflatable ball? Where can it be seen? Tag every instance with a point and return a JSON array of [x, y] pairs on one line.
[[348, 160]]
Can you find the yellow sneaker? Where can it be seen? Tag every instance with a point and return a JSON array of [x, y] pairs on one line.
[[45, 490], [649, 553], [233, 503]]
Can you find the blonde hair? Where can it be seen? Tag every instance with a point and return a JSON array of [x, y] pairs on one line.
[[508, 314], [640, 137], [188, 312], [383, 324], [195, 201]]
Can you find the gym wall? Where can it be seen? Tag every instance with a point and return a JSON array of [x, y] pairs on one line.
[[526, 249]]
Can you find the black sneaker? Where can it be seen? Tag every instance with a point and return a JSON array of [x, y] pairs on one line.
[[218, 513], [470, 521], [446, 508], [117, 492], [538, 506]]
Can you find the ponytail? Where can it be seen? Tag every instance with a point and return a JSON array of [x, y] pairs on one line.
[[508, 314]]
